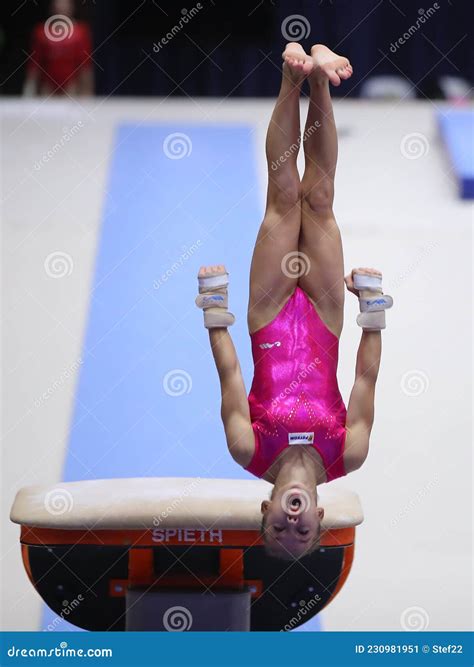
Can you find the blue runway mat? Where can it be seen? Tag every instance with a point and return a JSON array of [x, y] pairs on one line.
[[457, 130], [148, 398]]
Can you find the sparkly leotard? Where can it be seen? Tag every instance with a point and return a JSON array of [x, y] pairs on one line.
[[295, 398]]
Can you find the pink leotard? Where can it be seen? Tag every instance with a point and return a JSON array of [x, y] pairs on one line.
[[295, 398]]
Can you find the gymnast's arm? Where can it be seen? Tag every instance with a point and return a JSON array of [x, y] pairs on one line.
[[360, 411], [235, 411]]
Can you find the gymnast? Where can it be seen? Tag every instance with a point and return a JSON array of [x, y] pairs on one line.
[[293, 429]]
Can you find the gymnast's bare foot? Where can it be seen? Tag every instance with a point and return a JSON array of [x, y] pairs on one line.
[[329, 65], [297, 65]]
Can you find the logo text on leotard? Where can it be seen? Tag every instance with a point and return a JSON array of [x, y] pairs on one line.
[[301, 438], [186, 535], [266, 346]]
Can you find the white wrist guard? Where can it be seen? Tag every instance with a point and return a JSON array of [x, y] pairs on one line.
[[213, 300], [372, 302]]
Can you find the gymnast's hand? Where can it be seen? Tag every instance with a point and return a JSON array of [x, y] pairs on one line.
[[349, 280], [212, 298], [366, 284], [213, 270]]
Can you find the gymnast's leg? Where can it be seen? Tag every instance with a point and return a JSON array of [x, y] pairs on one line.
[[320, 239], [270, 286]]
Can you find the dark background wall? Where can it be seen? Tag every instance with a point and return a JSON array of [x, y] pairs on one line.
[[233, 48]]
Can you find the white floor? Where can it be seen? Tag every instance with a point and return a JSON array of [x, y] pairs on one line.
[[397, 213]]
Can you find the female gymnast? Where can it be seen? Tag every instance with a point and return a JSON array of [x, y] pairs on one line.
[[293, 429]]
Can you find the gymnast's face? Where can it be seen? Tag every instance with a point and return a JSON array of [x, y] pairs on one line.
[[291, 521]]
